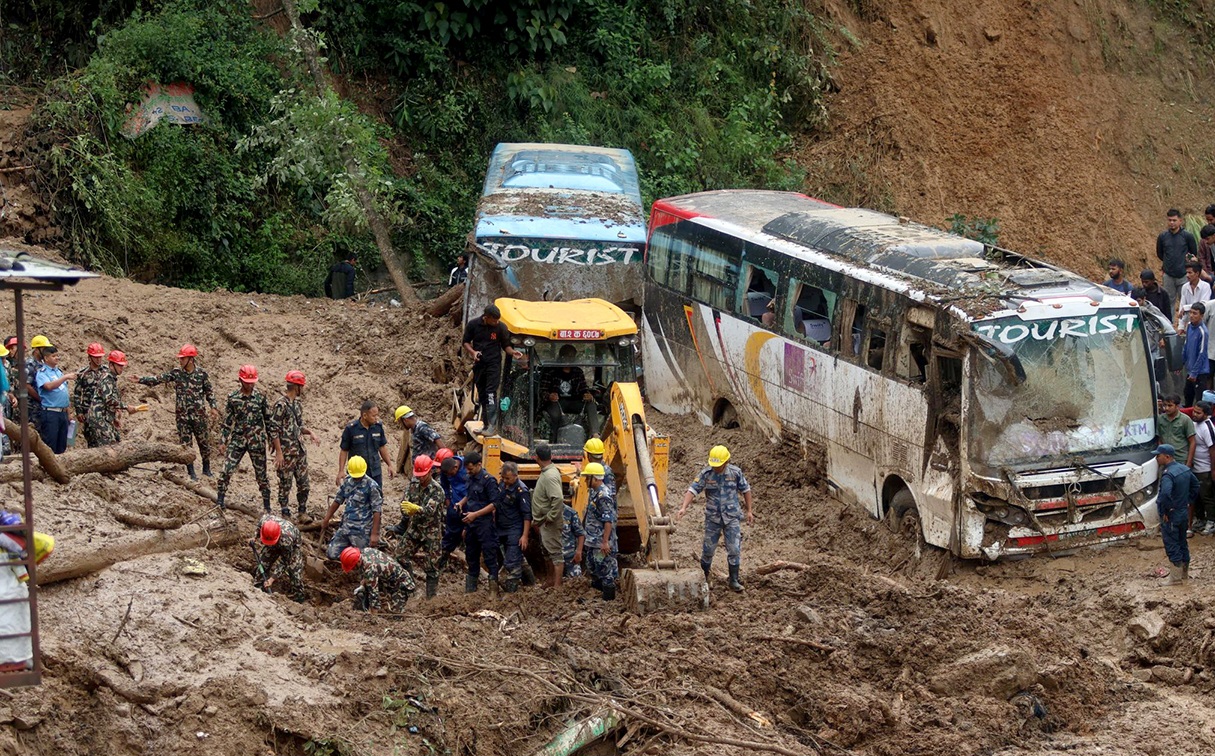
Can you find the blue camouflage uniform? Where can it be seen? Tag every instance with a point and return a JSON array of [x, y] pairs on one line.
[[481, 536], [424, 440], [1178, 487], [362, 499], [513, 509], [600, 509], [455, 488], [571, 531], [723, 511]]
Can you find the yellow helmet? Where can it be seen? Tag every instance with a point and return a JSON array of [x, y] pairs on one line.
[[40, 341], [401, 412], [356, 467], [3, 351], [593, 468], [593, 446], [718, 456]]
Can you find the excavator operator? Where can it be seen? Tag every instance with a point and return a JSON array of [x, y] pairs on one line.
[[564, 390]]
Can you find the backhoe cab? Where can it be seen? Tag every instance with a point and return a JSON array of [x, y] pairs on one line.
[[578, 380]]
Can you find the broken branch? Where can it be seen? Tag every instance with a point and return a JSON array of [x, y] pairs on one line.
[[768, 569], [823, 647]]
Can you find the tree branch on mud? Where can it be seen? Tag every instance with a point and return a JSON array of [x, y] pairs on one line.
[[102, 459], [73, 562]]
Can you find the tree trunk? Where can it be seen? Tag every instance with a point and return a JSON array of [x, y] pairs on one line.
[[46, 457], [379, 226], [207, 492], [101, 459], [74, 560], [442, 304]]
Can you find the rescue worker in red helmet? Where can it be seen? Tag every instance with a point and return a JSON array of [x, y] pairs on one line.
[[192, 388], [87, 379], [280, 558], [383, 583], [103, 414], [421, 526], [247, 427], [291, 461]]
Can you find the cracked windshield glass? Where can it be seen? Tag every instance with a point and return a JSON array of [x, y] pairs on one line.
[[1086, 389]]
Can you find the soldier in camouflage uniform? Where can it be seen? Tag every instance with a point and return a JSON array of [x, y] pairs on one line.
[[192, 386], [383, 582], [424, 440], [601, 531], [363, 502], [292, 462], [281, 557], [247, 426], [513, 521], [721, 483], [102, 413], [573, 538], [421, 526], [87, 379]]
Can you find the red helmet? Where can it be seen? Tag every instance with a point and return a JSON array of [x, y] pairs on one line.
[[443, 454], [247, 374], [96, 350], [296, 377], [187, 350], [12, 341], [422, 464], [118, 358], [350, 558], [271, 532]]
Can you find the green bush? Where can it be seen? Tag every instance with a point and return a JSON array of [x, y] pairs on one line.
[[223, 203]]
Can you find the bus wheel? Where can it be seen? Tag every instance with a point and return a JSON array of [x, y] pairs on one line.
[[905, 519], [724, 415]]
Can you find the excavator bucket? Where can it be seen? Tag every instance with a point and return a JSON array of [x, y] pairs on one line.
[[648, 590]]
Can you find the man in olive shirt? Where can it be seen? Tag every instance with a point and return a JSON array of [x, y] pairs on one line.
[[548, 512], [1175, 428]]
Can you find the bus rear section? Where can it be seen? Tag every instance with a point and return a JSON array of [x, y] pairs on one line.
[[557, 222], [996, 405]]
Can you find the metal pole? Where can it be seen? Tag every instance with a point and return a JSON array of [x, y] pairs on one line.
[[27, 478]]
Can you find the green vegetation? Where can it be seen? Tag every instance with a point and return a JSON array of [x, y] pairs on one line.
[[706, 95], [984, 230]]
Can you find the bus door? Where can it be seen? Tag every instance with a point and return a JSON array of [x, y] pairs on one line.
[[859, 397]]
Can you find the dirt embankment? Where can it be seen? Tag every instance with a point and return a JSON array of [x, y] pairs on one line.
[[865, 651], [1076, 124]]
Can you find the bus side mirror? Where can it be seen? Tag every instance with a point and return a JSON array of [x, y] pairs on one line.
[[1172, 351]]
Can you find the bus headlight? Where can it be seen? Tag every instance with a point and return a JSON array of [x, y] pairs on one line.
[[1141, 497]]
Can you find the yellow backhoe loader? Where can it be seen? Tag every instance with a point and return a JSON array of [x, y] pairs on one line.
[[579, 380]]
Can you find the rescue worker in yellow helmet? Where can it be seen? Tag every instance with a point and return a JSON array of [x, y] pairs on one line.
[[361, 518], [721, 483], [594, 450]]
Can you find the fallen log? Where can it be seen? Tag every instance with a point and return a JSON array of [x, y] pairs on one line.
[[46, 457], [97, 676], [768, 569], [103, 459], [72, 562], [137, 520], [205, 491], [442, 304]]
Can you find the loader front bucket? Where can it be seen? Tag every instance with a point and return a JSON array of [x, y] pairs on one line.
[[648, 590]]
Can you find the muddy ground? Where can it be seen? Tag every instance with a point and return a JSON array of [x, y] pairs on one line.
[[867, 651]]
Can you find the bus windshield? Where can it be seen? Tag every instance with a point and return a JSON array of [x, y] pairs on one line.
[[1087, 389]]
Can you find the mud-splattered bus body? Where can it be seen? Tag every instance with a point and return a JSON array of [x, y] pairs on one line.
[[997, 404], [557, 222]]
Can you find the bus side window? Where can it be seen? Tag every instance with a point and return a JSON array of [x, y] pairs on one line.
[[668, 257], [811, 312], [715, 269], [759, 298], [913, 353]]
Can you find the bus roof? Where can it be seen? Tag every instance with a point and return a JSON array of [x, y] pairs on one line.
[[561, 191], [581, 319], [947, 267]]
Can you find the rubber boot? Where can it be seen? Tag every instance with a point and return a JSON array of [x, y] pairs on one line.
[[609, 592], [432, 587], [266, 502], [734, 584], [207, 468], [706, 566], [491, 417], [510, 586], [1176, 575], [470, 583], [286, 513], [219, 500], [493, 588], [190, 471]]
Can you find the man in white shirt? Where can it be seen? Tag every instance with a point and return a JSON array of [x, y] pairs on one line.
[[1193, 290], [1202, 511]]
